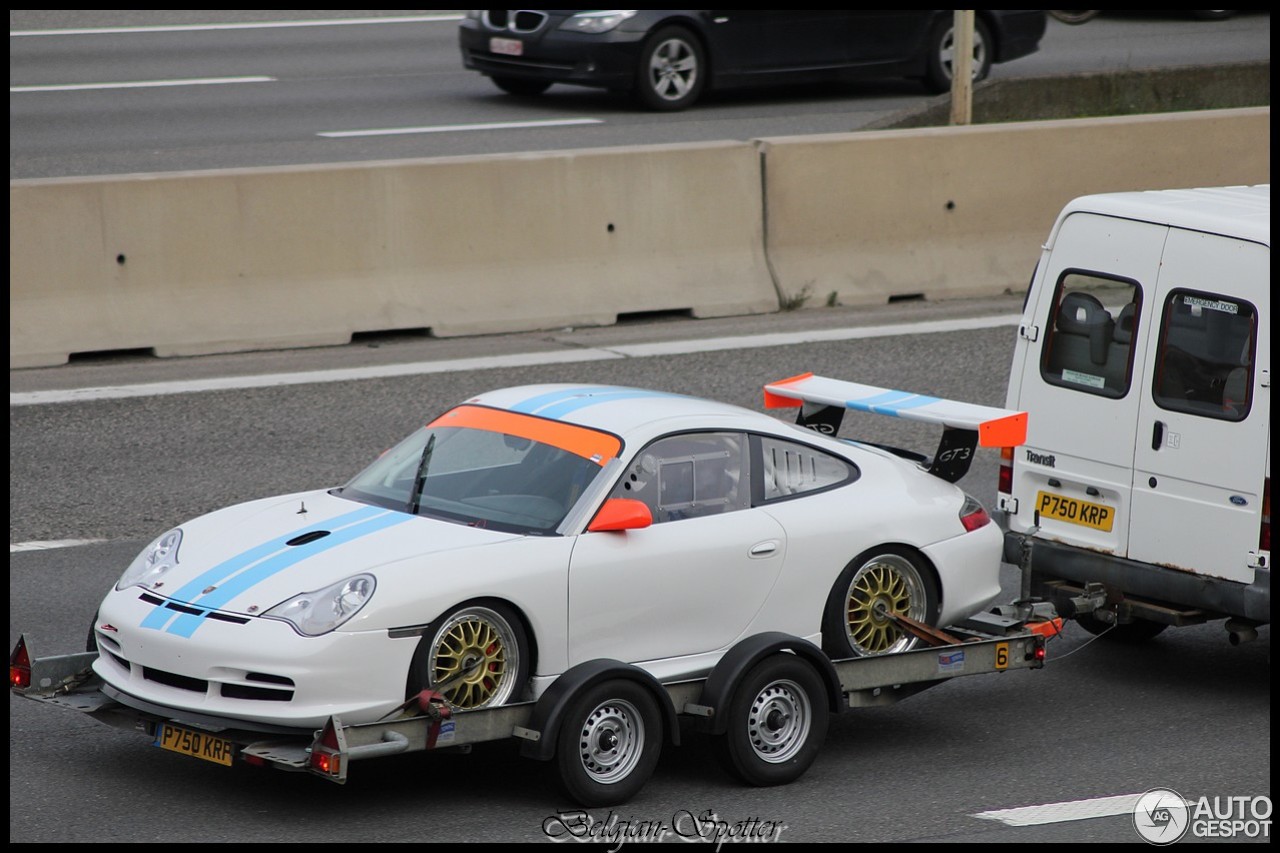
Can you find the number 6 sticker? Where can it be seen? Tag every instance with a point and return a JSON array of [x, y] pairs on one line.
[[1002, 655]]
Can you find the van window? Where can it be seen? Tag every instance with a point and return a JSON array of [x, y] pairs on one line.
[[1205, 362], [1090, 334]]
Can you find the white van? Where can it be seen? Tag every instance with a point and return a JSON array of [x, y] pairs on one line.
[[1142, 496]]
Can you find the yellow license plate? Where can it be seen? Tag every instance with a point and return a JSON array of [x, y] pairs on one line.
[[195, 744], [1075, 511]]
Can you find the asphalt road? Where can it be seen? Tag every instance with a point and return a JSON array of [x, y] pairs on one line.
[[263, 95], [107, 464], [1186, 711]]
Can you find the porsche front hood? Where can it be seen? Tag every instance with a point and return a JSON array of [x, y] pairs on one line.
[[249, 558]]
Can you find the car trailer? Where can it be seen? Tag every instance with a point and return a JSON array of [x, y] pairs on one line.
[[766, 704]]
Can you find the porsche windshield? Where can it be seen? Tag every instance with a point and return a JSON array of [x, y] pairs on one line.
[[488, 468]]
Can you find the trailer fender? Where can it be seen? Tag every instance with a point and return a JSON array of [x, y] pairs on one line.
[[718, 690], [549, 712]]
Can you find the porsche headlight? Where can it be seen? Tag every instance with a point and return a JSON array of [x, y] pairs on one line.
[[156, 559], [314, 613], [597, 22]]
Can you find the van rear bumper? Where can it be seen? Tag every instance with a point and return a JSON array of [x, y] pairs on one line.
[[1056, 561]]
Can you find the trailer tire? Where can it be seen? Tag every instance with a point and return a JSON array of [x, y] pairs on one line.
[[609, 743], [778, 719]]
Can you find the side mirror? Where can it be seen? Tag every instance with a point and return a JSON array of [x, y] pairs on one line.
[[621, 514]]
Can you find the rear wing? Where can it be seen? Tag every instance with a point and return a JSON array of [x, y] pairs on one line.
[[822, 403]]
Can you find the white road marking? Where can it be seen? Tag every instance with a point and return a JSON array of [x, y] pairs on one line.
[[143, 84], [451, 128], [1061, 812], [568, 356], [51, 544], [260, 25]]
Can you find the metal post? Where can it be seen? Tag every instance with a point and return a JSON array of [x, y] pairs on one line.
[[962, 68]]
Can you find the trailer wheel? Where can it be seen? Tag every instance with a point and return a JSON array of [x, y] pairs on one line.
[[609, 743], [777, 722]]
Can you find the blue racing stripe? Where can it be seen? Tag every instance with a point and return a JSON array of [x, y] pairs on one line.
[[160, 617], [532, 404], [890, 402], [186, 624], [559, 410]]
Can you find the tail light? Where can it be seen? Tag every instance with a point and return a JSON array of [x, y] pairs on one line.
[[972, 515], [1264, 535], [20, 666], [325, 750], [1005, 484]]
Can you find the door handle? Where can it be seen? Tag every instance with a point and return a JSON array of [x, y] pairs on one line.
[[1157, 435], [763, 549]]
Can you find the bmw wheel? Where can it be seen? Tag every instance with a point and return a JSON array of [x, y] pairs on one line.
[[475, 657], [672, 70], [882, 581], [942, 49]]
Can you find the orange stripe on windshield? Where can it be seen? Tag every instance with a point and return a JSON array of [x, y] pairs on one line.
[[598, 447]]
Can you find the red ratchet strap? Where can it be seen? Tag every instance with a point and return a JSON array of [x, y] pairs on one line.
[[437, 709]]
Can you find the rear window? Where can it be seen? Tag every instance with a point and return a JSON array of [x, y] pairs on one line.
[[1205, 362], [1090, 334]]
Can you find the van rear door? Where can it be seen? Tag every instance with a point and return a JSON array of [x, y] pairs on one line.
[[1203, 421], [1082, 352]]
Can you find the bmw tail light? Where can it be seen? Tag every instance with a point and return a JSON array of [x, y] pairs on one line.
[[20, 666], [972, 515], [1005, 484]]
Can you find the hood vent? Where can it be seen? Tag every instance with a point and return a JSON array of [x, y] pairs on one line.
[[308, 537]]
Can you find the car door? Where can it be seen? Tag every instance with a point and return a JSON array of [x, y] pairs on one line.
[[879, 36], [1203, 427], [750, 41], [1082, 354], [692, 581]]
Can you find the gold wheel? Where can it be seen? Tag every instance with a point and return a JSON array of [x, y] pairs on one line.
[[886, 583], [475, 658]]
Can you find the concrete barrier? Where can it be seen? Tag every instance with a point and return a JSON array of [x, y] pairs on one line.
[[940, 213], [207, 262]]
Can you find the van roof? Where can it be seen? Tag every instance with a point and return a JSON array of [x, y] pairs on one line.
[[1242, 211]]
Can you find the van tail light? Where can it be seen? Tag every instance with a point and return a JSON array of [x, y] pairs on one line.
[[1264, 536], [1005, 484], [972, 515]]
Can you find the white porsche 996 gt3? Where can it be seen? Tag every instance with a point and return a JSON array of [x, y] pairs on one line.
[[530, 529]]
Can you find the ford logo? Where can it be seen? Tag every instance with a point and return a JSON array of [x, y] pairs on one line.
[[1239, 501]]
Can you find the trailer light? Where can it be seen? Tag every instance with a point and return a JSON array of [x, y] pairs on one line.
[[20, 666], [324, 752]]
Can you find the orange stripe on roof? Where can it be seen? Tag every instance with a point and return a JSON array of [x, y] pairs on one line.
[[598, 447], [777, 401]]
